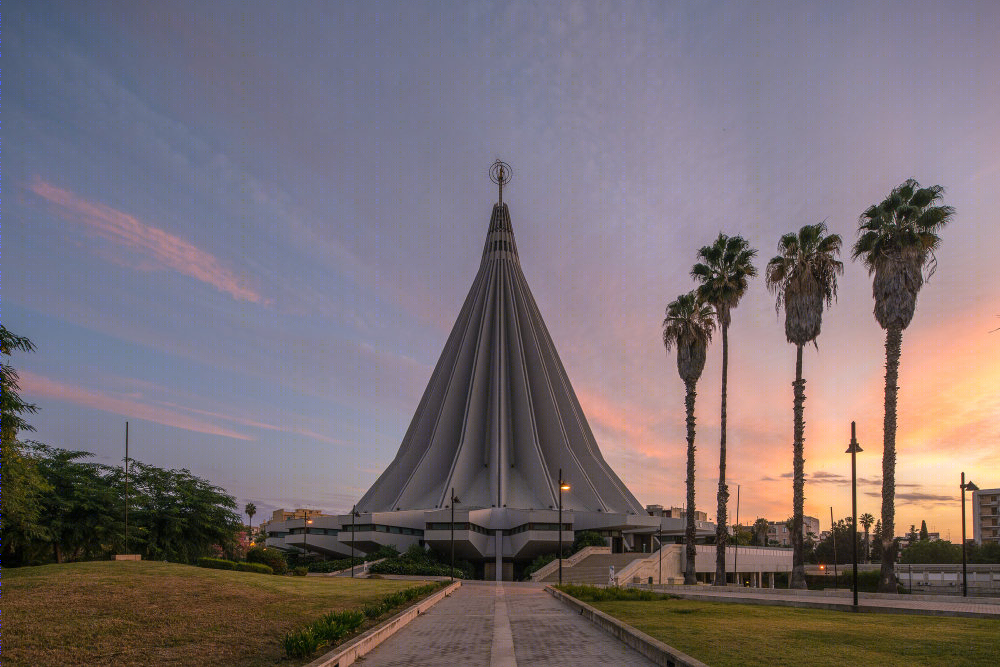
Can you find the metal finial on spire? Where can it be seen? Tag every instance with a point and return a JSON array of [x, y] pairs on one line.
[[500, 173]]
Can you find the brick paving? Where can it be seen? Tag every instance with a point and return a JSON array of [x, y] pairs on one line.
[[477, 624]]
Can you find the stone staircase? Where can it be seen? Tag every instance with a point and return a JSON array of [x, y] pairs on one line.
[[593, 569]]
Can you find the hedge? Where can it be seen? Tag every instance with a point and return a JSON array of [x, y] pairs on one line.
[[259, 568], [217, 563], [270, 557], [332, 628]]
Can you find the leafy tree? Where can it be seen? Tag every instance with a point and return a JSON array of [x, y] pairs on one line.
[[924, 535], [724, 272], [23, 485], [804, 276], [925, 551], [840, 536], [688, 327], [876, 543], [760, 527], [588, 538], [82, 512], [743, 535], [180, 517], [866, 520], [987, 552], [896, 242]]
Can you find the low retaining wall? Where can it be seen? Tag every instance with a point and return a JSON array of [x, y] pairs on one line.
[[654, 649], [363, 644], [551, 567]]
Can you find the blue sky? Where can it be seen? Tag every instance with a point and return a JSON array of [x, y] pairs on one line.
[[248, 227]]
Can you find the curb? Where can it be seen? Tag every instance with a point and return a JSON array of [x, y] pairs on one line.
[[364, 643], [654, 649], [835, 606]]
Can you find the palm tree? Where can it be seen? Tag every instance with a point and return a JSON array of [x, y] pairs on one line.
[[688, 327], [760, 527], [866, 520], [724, 271], [250, 510], [803, 275], [896, 241]]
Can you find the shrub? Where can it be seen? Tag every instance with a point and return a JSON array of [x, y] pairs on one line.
[[537, 564], [301, 644], [270, 557], [374, 610], [595, 594], [382, 552], [588, 538], [259, 568], [300, 571], [217, 563]]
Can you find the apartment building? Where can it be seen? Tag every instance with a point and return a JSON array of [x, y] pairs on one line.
[[780, 534], [986, 516]]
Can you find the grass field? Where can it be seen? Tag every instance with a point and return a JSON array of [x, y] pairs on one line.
[[146, 613], [729, 634]]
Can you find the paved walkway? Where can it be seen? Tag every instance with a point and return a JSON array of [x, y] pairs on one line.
[[901, 604], [486, 625]]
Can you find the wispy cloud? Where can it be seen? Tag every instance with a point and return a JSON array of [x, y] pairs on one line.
[[917, 497], [37, 385], [158, 250]]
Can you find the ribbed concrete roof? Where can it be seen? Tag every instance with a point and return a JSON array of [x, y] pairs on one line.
[[499, 416]]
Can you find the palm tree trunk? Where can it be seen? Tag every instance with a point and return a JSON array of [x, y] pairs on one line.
[[893, 346], [721, 527], [798, 463], [689, 533]]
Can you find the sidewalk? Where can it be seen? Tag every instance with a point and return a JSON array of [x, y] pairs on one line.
[[483, 624], [928, 605]]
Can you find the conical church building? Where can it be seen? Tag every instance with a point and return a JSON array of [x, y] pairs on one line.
[[496, 426]]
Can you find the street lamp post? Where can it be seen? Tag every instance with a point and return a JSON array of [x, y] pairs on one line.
[[853, 450], [965, 486], [305, 533], [563, 486], [454, 499], [659, 539], [354, 514]]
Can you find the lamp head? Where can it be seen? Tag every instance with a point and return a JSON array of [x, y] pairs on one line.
[[970, 486], [309, 521], [564, 486]]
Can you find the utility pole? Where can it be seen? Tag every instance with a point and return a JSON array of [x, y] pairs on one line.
[[126, 487]]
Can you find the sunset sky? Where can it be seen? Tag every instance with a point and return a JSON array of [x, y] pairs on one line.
[[248, 228]]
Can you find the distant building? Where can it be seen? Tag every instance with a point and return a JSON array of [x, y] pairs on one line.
[[986, 516], [283, 515], [780, 534], [674, 512]]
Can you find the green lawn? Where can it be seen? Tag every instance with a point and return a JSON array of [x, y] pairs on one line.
[[724, 634], [146, 613]]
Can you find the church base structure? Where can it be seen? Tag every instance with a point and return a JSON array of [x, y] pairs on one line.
[[484, 537]]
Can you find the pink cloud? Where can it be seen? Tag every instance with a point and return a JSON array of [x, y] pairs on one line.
[[37, 385], [158, 249], [253, 423]]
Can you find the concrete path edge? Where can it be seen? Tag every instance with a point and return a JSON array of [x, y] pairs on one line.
[[362, 644], [834, 606], [654, 649]]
